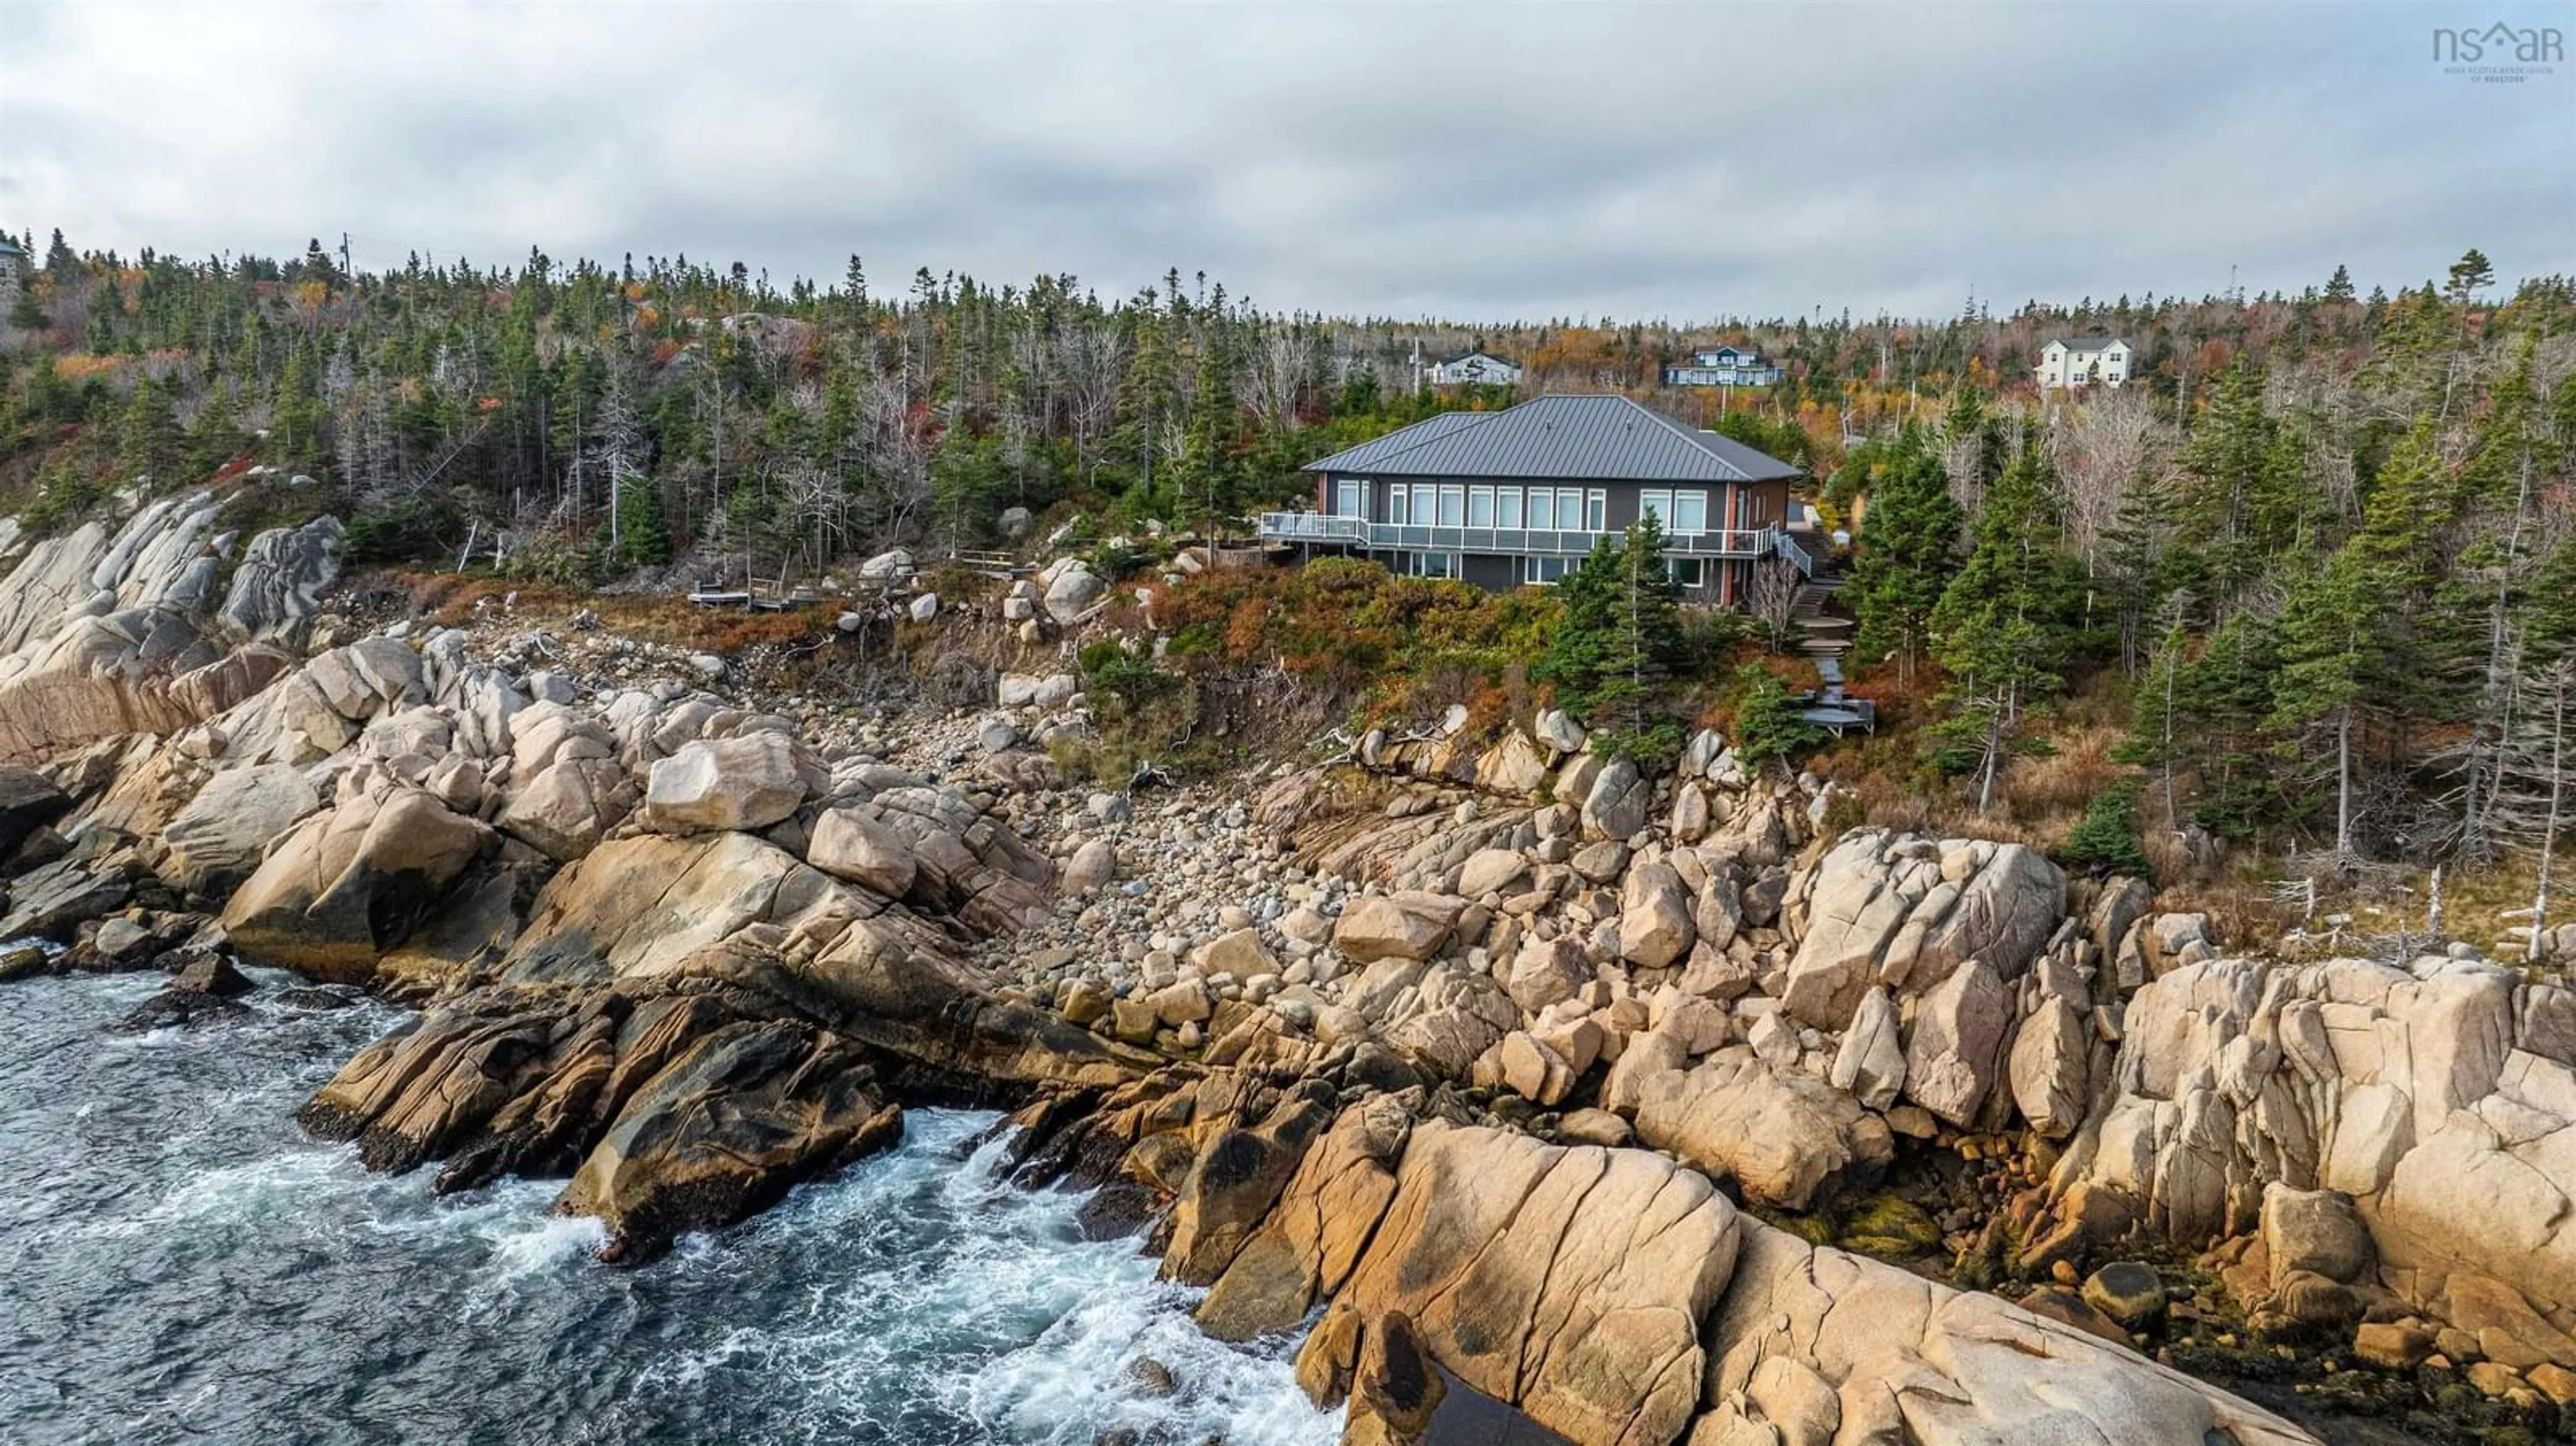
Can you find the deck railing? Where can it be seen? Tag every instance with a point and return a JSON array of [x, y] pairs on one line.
[[1319, 527]]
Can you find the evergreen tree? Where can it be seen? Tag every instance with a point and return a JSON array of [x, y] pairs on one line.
[[1769, 723], [1206, 480], [1578, 652], [2157, 718], [2244, 500], [2326, 635], [2135, 576], [2339, 285], [1905, 553], [2470, 275], [1618, 641], [2003, 628], [1645, 643], [1976, 446], [149, 442], [1145, 401]]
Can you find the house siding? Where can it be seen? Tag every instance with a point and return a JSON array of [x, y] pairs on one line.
[[1730, 507]]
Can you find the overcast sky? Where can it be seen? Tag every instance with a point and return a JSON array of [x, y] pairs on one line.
[[1479, 162]]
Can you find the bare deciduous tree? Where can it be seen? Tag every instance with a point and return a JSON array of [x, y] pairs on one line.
[[1770, 595], [2101, 446]]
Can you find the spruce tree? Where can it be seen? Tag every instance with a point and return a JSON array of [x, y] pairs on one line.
[[2339, 285], [1905, 553], [2004, 626], [149, 442], [1644, 645], [1578, 652], [2326, 634], [1206, 479]]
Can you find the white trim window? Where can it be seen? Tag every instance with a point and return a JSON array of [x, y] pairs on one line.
[[1690, 572], [1596, 510], [1480, 507], [1507, 508], [1658, 502], [1538, 571], [1689, 515], [1542, 510], [1399, 511], [1453, 507], [1350, 497]]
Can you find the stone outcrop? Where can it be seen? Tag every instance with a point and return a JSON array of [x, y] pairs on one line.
[[349, 884], [216, 841], [725, 1129], [733, 783], [2440, 1101], [1817, 1345], [1407, 925], [673, 1110], [106, 632], [1780, 1136], [1617, 1299], [1906, 912]]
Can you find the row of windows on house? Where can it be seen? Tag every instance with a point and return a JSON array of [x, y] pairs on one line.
[[1540, 571], [1512, 509]]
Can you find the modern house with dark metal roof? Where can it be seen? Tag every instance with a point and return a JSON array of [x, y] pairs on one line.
[[1519, 496]]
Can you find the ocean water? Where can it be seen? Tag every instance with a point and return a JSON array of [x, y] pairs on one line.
[[180, 1263]]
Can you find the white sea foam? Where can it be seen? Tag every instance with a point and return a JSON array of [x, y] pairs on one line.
[[916, 1299]]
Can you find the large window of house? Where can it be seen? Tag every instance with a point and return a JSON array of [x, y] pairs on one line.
[[1480, 507], [1435, 564], [1350, 498], [1507, 508], [1398, 508], [1660, 504], [1689, 514], [1596, 510], [1542, 571], [1542, 510], [1453, 506], [1689, 571]]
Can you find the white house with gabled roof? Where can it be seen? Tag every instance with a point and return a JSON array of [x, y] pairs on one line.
[[2075, 362], [1476, 366]]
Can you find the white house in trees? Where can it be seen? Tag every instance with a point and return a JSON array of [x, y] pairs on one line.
[[1726, 366], [2083, 361], [1475, 366]]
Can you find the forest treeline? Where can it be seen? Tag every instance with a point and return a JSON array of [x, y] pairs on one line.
[[2326, 542]]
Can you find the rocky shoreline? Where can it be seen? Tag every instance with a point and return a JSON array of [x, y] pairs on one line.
[[1627, 1099]]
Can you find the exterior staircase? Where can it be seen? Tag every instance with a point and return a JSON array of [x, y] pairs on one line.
[[1825, 637]]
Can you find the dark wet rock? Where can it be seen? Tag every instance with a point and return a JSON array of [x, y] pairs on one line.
[[1396, 1386], [317, 997], [1152, 1378], [1235, 1182], [1118, 1209], [178, 1008], [2127, 1291], [726, 1129], [51, 902], [212, 974], [28, 801]]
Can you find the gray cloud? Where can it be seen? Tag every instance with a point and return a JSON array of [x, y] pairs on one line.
[[1482, 161]]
